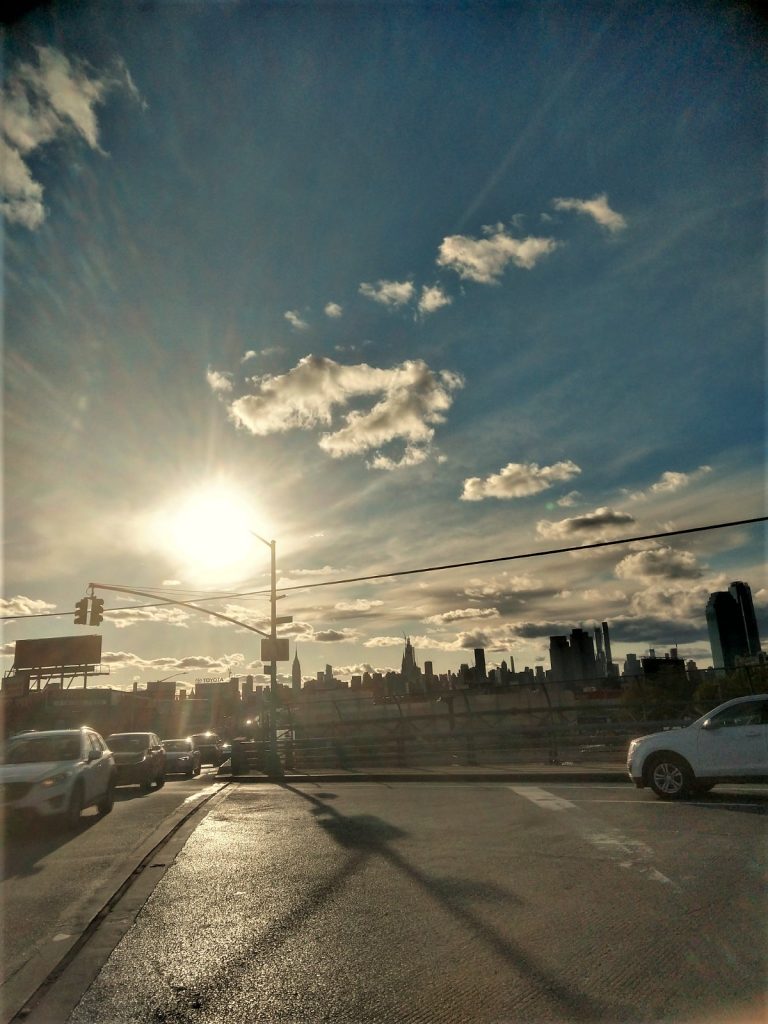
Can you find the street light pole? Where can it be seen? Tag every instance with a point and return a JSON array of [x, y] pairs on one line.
[[273, 765]]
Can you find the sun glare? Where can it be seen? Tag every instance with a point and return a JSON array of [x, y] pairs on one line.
[[211, 533]]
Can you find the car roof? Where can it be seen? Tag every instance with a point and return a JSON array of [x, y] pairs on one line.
[[53, 732]]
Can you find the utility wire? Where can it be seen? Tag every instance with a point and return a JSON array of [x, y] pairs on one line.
[[431, 568]]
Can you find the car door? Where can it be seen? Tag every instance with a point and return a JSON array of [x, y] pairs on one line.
[[734, 741]]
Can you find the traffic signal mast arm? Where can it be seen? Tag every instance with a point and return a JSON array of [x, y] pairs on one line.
[[181, 604]]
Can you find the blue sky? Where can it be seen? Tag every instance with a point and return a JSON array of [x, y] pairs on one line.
[[397, 286]]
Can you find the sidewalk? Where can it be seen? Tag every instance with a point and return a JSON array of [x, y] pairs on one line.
[[448, 773]]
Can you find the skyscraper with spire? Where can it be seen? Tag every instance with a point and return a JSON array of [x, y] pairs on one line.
[[296, 673]]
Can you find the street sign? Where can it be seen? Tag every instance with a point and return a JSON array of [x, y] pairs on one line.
[[278, 652], [283, 620]]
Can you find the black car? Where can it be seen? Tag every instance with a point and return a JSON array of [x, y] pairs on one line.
[[140, 758], [210, 746]]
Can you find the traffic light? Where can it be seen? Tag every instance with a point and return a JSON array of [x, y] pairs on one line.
[[97, 607], [81, 612]]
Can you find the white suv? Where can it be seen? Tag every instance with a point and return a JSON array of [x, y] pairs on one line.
[[56, 774], [728, 744]]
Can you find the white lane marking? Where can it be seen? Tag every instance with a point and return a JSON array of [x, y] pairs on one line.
[[542, 798], [631, 854], [208, 791], [61, 936]]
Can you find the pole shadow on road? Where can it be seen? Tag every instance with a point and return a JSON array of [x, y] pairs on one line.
[[371, 836]]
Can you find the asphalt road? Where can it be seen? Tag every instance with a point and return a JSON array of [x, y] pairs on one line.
[[54, 881], [466, 903]]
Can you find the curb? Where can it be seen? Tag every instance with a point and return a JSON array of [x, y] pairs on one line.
[[27, 996], [527, 775]]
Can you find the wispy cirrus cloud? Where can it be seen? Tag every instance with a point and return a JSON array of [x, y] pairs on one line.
[[595, 525], [596, 208], [361, 604], [48, 99], [518, 480], [484, 259], [412, 400], [458, 614]]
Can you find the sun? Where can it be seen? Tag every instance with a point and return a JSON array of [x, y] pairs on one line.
[[210, 532]]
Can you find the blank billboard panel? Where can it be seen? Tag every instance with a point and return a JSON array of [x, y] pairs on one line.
[[58, 651]]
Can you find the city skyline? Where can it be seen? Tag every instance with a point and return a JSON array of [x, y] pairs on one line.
[[512, 303]]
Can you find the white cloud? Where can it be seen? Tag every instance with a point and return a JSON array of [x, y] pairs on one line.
[[295, 320], [597, 208], [219, 382], [168, 614], [384, 641], [171, 583], [413, 399], [591, 525], [432, 299], [41, 102], [461, 613], [327, 570], [659, 561], [362, 604], [412, 456], [669, 482], [250, 354], [570, 499], [389, 293], [484, 259], [21, 605], [518, 480], [333, 310]]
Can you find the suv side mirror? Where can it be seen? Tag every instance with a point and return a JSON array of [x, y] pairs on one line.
[[94, 755]]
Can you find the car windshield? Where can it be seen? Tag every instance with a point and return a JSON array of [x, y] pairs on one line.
[[207, 738], [35, 749], [174, 746], [129, 742]]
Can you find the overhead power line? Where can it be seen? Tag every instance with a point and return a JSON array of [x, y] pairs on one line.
[[429, 568]]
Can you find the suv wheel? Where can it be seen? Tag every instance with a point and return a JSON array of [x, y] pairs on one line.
[[160, 781], [74, 808], [670, 777], [146, 784], [107, 802]]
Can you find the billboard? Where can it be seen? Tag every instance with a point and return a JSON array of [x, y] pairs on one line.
[[57, 652]]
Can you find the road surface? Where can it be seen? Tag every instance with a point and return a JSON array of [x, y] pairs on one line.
[[472, 903]]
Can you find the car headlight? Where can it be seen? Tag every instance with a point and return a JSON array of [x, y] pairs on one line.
[[54, 780]]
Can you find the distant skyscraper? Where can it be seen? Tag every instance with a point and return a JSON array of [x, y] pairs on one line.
[[607, 646], [742, 595], [480, 672], [296, 672], [409, 670], [599, 653], [560, 658], [727, 629]]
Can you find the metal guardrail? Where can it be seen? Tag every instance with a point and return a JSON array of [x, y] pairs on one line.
[[555, 743]]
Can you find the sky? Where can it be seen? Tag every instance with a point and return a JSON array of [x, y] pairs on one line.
[[395, 286]]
